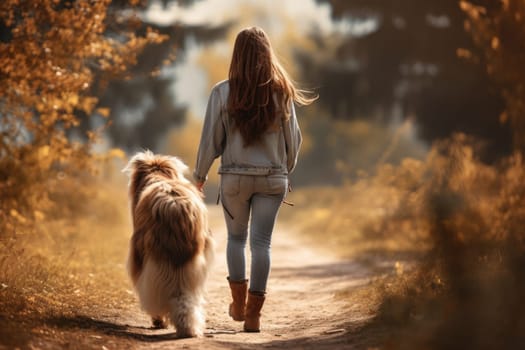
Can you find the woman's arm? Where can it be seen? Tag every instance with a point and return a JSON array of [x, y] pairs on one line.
[[212, 139], [293, 138]]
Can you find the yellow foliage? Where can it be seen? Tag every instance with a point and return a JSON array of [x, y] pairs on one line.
[[15, 214], [103, 112], [50, 59], [117, 153], [498, 32], [39, 216]]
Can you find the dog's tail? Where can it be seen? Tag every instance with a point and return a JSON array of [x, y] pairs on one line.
[[172, 217]]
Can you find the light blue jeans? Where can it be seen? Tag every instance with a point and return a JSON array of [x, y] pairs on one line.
[[260, 196]]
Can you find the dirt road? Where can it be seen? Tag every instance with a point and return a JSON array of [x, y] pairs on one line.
[[308, 306], [302, 310]]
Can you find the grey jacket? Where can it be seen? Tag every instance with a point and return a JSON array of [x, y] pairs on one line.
[[275, 154]]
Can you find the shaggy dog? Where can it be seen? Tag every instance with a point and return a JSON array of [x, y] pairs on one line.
[[171, 248]]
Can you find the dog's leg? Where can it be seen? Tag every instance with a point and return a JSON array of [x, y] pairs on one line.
[[187, 315], [136, 255]]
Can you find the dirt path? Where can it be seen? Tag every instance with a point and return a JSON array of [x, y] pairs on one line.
[[307, 307], [302, 308]]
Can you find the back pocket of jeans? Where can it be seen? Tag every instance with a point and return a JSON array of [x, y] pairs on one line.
[[230, 184], [277, 184]]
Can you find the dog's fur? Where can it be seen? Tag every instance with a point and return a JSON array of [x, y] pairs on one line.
[[171, 247]]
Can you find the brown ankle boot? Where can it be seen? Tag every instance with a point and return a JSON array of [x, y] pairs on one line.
[[238, 306], [253, 311]]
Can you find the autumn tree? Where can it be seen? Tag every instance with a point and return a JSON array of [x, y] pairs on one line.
[[499, 31], [51, 52]]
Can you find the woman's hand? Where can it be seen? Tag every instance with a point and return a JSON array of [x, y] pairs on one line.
[[200, 186]]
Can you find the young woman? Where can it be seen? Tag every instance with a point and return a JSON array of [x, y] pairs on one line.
[[251, 123]]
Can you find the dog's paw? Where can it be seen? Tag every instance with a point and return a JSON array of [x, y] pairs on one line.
[[158, 323], [188, 333]]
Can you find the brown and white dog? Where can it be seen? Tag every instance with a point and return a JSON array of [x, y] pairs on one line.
[[171, 248]]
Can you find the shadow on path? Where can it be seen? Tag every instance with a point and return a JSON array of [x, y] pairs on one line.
[[109, 328], [368, 265], [353, 335]]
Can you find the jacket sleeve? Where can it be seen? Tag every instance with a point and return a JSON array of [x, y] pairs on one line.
[[293, 139], [213, 138]]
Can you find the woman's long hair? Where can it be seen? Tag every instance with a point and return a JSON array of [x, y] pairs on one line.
[[255, 77]]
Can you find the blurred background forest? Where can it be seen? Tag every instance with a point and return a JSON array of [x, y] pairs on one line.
[[415, 144]]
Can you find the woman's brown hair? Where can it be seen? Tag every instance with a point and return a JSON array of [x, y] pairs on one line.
[[255, 77]]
